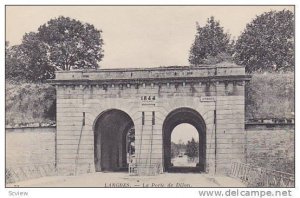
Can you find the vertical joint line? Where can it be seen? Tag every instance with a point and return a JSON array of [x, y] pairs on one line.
[[55, 149], [83, 118], [79, 141], [143, 118], [215, 116], [153, 117], [215, 122]]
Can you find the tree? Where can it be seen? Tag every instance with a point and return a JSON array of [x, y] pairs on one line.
[[14, 63], [174, 150], [28, 61], [61, 43], [35, 57], [210, 43], [9, 61], [267, 43], [71, 43], [192, 149]]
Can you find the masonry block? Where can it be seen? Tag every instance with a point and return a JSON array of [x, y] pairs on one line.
[[115, 101]]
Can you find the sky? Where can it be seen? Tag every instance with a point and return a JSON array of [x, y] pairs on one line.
[[137, 36], [183, 133]]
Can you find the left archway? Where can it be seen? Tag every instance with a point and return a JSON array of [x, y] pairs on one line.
[[110, 140]]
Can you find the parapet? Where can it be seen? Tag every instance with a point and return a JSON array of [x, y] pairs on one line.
[[157, 74]]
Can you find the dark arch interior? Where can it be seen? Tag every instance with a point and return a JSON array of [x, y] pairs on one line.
[[110, 132], [176, 117]]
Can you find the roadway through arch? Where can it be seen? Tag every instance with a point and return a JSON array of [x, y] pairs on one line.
[[173, 119]]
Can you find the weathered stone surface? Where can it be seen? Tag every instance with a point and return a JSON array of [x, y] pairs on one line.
[[272, 148], [140, 92], [36, 145], [30, 146]]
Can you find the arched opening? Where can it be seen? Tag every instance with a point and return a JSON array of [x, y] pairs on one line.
[[113, 137], [184, 146], [174, 119]]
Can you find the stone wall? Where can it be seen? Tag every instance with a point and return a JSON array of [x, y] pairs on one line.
[[272, 148], [140, 93], [72, 102], [266, 147], [29, 146], [230, 116]]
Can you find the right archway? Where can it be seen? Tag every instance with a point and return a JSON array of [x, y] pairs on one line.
[[180, 116]]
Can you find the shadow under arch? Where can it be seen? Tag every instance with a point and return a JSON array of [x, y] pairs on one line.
[[110, 131], [180, 116]]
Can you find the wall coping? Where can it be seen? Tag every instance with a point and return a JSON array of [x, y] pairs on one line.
[[29, 127], [200, 67], [152, 75], [252, 124]]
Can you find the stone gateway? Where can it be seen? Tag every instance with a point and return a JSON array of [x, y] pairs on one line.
[[96, 110]]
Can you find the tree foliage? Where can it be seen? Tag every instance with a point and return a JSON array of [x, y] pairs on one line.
[[13, 64], [211, 44], [174, 150], [72, 43], [267, 43], [37, 66], [28, 61], [192, 148], [61, 43]]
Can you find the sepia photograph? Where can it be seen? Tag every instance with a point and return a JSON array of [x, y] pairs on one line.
[[132, 96]]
